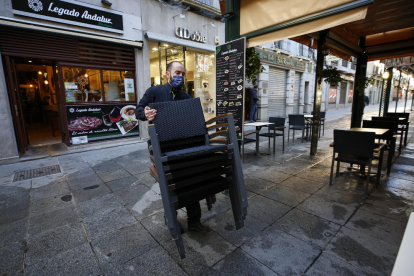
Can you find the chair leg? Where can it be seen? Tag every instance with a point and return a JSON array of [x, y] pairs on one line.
[[332, 167], [380, 166], [303, 133], [406, 133], [337, 168], [401, 141], [283, 140], [293, 135], [323, 132], [369, 173], [288, 134], [274, 145]]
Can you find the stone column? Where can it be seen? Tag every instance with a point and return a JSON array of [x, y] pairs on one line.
[[290, 85], [263, 94], [143, 78]]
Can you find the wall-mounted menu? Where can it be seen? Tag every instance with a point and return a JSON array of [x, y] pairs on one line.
[[230, 67], [101, 121]]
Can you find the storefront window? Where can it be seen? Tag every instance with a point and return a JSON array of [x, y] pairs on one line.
[[118, 85], [82, 84]]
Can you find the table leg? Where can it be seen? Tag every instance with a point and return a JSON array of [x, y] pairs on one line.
[[257, 141]]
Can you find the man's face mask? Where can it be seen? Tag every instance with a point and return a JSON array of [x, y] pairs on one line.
[[177, 82]]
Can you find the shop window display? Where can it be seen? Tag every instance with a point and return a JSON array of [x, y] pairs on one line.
[[118, 85], [82, 84]]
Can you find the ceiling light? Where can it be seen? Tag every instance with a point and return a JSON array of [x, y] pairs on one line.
[[166, 45], [86, 75], [31, 85], [155, 49], [29, 61], [40, 72], [46, 82], [385, 75]]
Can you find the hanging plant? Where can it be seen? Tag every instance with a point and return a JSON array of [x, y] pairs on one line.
[[253, 66], [331, 76], [362, 83]]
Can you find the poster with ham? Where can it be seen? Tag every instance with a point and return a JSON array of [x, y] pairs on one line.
[[99, 122], [332, 95], [350, 95]]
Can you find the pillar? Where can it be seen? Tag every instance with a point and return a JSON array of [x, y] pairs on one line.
[[361, 72]]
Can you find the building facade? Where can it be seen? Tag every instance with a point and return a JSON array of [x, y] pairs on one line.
[[73, 71]]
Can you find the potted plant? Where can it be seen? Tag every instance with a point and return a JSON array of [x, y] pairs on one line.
[[332, 76], [253, 66]]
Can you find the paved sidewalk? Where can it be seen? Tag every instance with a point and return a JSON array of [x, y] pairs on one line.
[[103, 215]]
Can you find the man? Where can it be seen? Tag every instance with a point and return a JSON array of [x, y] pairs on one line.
[[164, 93], [366, 102], [253, 101]]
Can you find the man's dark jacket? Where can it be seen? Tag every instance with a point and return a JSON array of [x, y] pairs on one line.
[[155, 94], [253, 96]]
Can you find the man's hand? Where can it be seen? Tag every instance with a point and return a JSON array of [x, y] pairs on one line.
[[150, 113]]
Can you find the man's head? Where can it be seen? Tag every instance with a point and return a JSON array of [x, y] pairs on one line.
[[255, 87], [174, 68]]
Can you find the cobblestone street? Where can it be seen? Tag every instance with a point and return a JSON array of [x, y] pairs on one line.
[[103, 215]]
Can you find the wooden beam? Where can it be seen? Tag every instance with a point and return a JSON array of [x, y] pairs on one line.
[[389, 27], [355, 48]]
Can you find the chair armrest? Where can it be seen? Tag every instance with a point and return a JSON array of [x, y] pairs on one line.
[[281, 127], [381, 146], [212, 120], [250, 133], [218, 125], [332, 144], [218, 140], [217, 133]]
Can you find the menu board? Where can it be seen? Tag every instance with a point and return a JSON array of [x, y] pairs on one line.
[[230, 67], [101, 121]]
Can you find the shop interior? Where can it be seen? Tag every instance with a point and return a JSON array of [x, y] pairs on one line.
[[200, 67], [37, 94]]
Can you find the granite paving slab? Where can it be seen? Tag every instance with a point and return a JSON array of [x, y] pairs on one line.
[[266, 209], [12, 258], [90, 192], [377, 227], [283, 253], [48, 179], [399, 183], [223, 224], [222, 204], [85, 181], [203, 250], [327, 209], [307, 227], [13, 232], [362, 251], [50, 204], [98, 205], [122, 183], [48, 221], [271, 175], [307, 186], [123, 245], [403, 171], [55, 241], [106, 222], [110, 176], [81, 173], [240, 263], [328, 264], [106, 166], [316, 174], [350, 197], [155, 225], [145, 178], [76, 261], [257, 185], [14, 213], [11, 196], [154, 262], [285, 195], [52, 189]]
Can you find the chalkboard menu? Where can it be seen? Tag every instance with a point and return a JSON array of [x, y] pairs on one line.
[[101, 121], [230, 67]]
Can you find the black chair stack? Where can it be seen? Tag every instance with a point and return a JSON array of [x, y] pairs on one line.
[[405, 125], [397, 130], [278, 127], [389, 137], [356, 148], [190, 166], [297, 122]]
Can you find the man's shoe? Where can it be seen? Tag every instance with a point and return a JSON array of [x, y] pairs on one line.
[[198, 226]]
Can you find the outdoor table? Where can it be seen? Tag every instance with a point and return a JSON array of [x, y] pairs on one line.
[[258, 126], [379, 132]]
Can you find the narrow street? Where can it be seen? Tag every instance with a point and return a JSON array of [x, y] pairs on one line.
[[103, 215]]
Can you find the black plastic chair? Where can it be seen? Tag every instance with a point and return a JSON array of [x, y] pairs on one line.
[[321, 123], [297, 122], [355, 148], [278, 125], [191, 164], [397, 130], [389, 137], [406, 123]]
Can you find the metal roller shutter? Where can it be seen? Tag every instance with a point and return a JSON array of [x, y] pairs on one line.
[[296, 94], [277, 92]]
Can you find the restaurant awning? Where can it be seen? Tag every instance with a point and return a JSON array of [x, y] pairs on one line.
[[272, 20]]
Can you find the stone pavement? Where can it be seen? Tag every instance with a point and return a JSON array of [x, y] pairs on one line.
[[103, 215]]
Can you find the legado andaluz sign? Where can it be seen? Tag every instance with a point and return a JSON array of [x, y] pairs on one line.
[[71, 12]]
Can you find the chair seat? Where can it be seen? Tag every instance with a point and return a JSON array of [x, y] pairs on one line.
[[271, 134], [191, 152]]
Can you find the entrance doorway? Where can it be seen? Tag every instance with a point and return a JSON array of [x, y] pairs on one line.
[[33, 91]]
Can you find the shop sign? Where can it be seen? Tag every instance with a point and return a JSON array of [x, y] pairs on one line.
[[281, 60], [71, 12], [230, 72], [398, 61], [101, 121], [185, 34]]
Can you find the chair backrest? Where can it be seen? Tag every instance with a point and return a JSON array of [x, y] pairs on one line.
[[398, 114], [322, 113], [179, 124], [297, 120], [277, 122], [388, 119], [381, 124], [354, 143]]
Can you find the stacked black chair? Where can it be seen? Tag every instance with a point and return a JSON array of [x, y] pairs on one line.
[[321, 122], [278, 124], [397, 130], [356, 148], [404, 127], [297, 122], [389, 137], [190, 166]]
